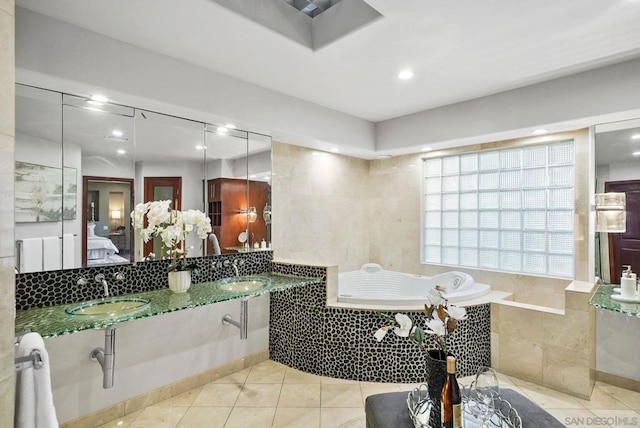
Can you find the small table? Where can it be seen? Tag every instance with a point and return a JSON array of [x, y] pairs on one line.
[[389, 410]]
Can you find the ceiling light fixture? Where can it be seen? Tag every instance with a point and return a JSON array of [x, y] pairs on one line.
[[99, 98], [635, 137], [636, 153], [121, 151], [199, 147], [230, 126], [405, 74], [335, 150], [222, 129], [426, 149], [539, 131], [117, 133]]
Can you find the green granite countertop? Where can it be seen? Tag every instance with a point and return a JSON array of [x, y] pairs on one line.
[[602, 299], [54, 321]]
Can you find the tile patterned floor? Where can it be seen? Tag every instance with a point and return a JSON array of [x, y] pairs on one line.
[[271, 395]]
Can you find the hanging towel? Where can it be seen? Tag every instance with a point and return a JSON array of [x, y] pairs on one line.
[[51, 257], [34, 399], [68, 251], [31, 255]]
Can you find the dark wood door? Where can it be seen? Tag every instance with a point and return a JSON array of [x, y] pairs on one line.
[[161, 189], [624, 248]]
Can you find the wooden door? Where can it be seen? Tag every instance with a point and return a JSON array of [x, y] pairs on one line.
[[161, 189], [624, 248]]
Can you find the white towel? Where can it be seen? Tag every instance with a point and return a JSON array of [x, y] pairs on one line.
[[31, 256], [34, 400], [68, 251], [51, 257]]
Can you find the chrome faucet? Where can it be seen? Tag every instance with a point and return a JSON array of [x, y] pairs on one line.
[[100, 279]]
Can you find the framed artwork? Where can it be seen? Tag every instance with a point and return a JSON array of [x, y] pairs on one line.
[[44, 193]]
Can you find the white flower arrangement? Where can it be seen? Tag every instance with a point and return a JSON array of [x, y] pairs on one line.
[[172, 226], [442, 321]]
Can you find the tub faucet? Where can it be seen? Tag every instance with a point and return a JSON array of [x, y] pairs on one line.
[[100, 279]]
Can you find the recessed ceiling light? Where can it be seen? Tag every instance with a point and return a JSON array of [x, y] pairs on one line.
[[252, 176], [121, 151], [117, 133], [335, 150], [222, 129], [94, 103], [230, 126], [266, 177], [635, 137], [99, 98], [636, 153], [199, 147], [426, 149], [405, 74], [539, 131]]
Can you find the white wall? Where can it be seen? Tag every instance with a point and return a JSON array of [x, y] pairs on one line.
[[151, 353]]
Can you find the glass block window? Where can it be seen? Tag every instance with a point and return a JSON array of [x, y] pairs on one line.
[[510, 210]]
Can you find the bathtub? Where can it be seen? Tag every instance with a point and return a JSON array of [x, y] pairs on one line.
[[372, 285]]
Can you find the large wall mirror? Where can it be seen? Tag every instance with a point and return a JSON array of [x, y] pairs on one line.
[[81, 167], [617, 159]]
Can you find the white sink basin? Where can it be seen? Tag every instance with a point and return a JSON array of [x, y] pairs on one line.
[[110, 307], [240, 285]]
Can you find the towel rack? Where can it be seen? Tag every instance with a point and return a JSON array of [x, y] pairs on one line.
[[33, 360]]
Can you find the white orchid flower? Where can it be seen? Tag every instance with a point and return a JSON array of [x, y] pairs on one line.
[[435, 298], [456, 312], [436, 326], [381, 333], [404, 325]]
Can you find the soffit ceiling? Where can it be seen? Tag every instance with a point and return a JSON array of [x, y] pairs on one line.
[[458, 50]]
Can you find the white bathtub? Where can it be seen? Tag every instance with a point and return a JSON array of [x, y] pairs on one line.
[[371, 285]]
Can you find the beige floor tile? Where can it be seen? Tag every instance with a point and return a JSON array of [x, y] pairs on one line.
[[297, 376], [159, 417], [185, 399], [266, 372], [342, 418], [296, 417], [369, 388], [332, 380], [259, 395], [257, 417], [237, 378], [601, 400], [299, 395], [341, 396], [625, 396], [618, 418], [209, 417], [122, 422], [218, 395], [548, 398]]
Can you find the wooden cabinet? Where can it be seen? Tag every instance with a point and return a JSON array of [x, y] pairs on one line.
[[119, 240], [227, 197]]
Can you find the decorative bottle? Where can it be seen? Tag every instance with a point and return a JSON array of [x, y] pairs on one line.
[[451, 399]]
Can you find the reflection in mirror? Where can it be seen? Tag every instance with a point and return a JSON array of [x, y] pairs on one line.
[[617, 158], [101, 138], [259, 169], [40, 184], [170, 154]]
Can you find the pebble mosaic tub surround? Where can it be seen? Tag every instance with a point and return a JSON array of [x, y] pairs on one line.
[[43, 289], [337, 342]]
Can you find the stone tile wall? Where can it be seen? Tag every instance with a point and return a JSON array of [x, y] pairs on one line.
[[7, 277]]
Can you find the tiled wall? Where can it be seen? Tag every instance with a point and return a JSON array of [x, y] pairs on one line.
[[347, 212], [7, 134], [306, 335]]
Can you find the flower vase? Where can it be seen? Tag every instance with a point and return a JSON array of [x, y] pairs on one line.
[[436, 375], [180, 281]]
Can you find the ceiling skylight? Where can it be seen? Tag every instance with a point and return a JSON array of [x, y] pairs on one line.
[[312, 8]]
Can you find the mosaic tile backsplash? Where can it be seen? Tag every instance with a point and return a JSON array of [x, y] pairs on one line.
[[42, 289]]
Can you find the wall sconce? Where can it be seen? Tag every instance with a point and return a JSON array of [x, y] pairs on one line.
[[611, 214], [249, 215]]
